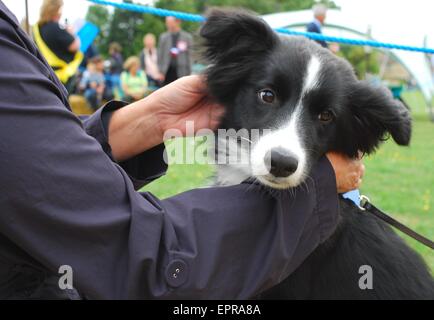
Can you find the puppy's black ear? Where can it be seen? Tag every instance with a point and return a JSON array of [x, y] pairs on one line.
[[374, 114], [235, 43], [234, 35]]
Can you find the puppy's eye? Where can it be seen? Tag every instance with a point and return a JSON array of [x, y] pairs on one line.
[[326, 116], [267, 96]]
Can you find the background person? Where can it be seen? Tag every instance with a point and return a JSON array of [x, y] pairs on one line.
[[174, 51], [93, 83], [90, 53], [116, 61], [58, 44], [320, 13], [133, 80], [149, 61]]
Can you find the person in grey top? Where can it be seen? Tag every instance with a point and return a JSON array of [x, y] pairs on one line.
[[174, 51], [68, 197]]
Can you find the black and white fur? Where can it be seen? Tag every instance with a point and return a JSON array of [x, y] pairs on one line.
[[312, 103]]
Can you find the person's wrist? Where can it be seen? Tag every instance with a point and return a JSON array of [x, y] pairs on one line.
[[163, 120], [134, 129], [149, 123], [152, 116]]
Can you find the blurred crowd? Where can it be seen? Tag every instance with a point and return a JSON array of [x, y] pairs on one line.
[[124, 78]]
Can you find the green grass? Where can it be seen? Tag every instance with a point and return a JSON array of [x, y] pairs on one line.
[[181, 177], [416, 101], [399, 180]]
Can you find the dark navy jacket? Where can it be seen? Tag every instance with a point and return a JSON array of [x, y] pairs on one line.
[[64, 201], [315, 28]]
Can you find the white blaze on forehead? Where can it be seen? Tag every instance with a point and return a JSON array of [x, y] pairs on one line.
[[287, 137], [311, 79]]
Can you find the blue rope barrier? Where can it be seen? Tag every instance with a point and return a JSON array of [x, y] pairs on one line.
[[314, 36], [151, 10]]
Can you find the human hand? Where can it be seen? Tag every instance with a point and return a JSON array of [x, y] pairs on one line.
[[349, 172], [185, 100], [160, 77], [136, 96], [142, 124]]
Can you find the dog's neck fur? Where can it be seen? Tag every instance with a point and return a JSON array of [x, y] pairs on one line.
[[229, 175]]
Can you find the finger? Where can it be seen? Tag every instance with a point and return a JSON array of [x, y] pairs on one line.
[[362, 170], [196, 83], [217, 110], [355, 182]]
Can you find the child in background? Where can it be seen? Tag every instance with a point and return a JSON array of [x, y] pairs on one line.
[[116, 67], [93, 83]]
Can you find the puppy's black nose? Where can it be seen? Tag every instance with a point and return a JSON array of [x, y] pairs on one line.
[[280, 162]]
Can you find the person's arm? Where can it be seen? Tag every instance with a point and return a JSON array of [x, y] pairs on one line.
[[84, 81], [75, 46], [66, 39], [142, 60], [142, 168], [124, 83], [65, 202], [140, 93], [100, 83]]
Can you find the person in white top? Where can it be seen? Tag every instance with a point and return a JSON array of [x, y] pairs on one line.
[[149, 61]]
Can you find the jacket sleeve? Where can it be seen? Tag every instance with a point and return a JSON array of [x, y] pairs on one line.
[[161, 54], [65, 202], [96, 126], [142, 60]]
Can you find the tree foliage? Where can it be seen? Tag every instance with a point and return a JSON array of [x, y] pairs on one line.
[[364, 61], [128, 28]]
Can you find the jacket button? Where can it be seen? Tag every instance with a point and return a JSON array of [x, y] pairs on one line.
[[176, 273]]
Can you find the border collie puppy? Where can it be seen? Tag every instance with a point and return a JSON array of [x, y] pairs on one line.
[[310, 102]]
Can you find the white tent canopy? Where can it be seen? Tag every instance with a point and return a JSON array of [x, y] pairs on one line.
[[344, 25]]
